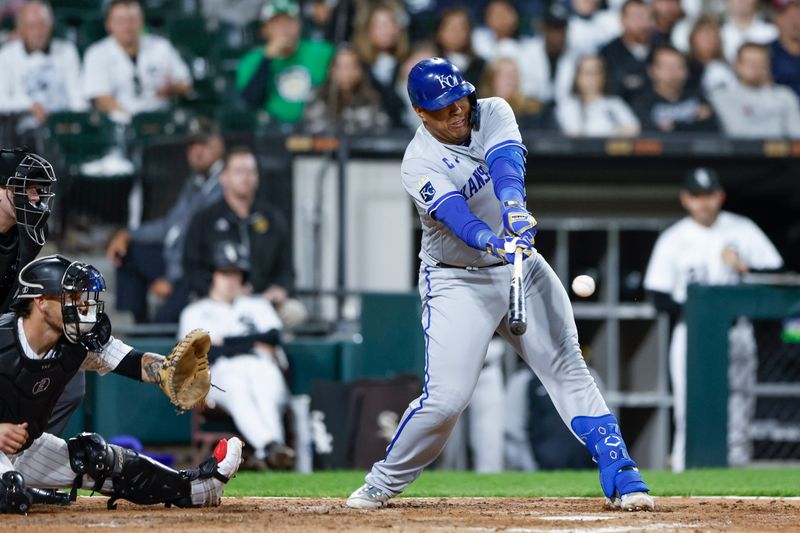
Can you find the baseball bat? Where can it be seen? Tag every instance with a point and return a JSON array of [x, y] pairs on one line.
[[517, 315]]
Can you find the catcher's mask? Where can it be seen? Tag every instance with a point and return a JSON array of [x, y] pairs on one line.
[[31, 187], [77, 284]]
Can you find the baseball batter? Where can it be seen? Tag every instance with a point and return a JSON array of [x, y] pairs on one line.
[[465, 171], [58, 327], [709, 247]]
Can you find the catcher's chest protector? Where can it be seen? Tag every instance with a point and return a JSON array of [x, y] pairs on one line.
[[29, 388]]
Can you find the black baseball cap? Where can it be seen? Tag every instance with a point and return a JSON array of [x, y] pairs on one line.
[[228, 255], [702, 180], [556, 16], [201, 130]]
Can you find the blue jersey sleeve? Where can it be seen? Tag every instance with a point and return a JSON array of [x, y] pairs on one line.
[[504, 152], [454, 213], [507, 169]]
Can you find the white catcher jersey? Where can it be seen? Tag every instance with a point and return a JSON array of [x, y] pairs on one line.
[[432, 172], [688, 252], [245, 316]]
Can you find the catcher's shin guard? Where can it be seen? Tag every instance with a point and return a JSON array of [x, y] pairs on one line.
[[14, 497], [619, 474], [134, 477]]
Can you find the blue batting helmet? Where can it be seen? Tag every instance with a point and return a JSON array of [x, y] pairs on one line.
[[435, 83]]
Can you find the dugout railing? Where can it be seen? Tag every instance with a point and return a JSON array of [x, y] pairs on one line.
[[775, 423]]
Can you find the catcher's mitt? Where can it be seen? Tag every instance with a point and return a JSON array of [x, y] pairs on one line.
[[185, 377]]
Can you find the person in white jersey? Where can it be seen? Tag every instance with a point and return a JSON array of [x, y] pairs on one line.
[[709, 247], [465, 170], [40, 74], [247, 362], [131, 72]]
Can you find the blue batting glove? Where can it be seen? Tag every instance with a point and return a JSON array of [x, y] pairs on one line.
[[505, 247], [518, 221]]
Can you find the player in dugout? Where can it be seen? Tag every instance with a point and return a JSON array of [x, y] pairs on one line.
[[57, 326]]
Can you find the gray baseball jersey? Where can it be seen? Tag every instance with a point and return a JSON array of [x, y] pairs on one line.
[[433, 172], [462, 308]]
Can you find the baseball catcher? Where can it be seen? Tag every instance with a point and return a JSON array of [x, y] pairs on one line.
[[57, 326]]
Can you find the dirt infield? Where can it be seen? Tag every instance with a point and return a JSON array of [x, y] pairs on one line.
[[423, 514]]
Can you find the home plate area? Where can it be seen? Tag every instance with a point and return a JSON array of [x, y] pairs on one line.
[[422, 514]]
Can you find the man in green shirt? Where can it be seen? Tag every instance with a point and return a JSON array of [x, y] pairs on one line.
[[280, 77]]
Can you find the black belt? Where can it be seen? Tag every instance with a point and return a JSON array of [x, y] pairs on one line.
[[445, 265]]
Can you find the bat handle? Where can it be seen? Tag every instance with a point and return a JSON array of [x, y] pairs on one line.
[[517, 319], [518, 263]]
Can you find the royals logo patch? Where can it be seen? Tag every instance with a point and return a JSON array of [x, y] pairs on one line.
[[427, 191]]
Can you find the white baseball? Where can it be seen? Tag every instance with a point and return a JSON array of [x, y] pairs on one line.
[[583, 285]]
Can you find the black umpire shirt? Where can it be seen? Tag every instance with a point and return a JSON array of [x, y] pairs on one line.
[[263, 236]]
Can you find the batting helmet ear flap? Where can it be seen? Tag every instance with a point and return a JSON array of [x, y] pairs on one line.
[[475, 117]]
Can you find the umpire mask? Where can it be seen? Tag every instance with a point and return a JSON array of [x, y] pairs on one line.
[[82, 308], [31, 187]]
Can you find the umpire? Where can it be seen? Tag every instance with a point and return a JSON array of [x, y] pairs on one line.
[[26, 183]]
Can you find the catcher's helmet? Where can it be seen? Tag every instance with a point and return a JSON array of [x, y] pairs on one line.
[[77, 284], [25, 171], [435, 83]]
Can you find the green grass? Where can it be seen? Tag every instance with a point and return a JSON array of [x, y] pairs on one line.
[[707, 482]]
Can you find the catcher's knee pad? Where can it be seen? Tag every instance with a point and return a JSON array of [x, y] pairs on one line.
[[134, 477], [14, 497], [618, 472]]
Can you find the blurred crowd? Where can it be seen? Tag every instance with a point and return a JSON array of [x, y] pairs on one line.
[[582, 67]]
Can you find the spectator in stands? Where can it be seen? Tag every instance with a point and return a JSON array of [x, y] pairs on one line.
[[744, 25], [694, 10], [546, 66], [706, 64], [381, 43], [237, 14], [419, 51], [501, 78], [149, 259], [246, 360], [453, 38], [626, 56], [260, 231], [130, 72], [499, 34], [280, 76], [588, 111], [669, 104], [322, 19], [346, 102], [786, 48], [591, 28], [666, 15], [40, 74], [755, 106]]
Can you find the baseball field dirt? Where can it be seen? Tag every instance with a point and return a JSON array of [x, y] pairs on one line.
[[420, 514]]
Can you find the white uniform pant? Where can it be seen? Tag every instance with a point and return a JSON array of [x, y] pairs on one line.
[[742, 368], [45, 464], [254, 393]]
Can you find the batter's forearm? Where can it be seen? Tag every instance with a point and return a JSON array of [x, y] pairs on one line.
[[151, 367], [457, 216], [507, 169]]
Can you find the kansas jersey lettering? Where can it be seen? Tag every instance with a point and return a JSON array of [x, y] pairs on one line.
[[433, 172]]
